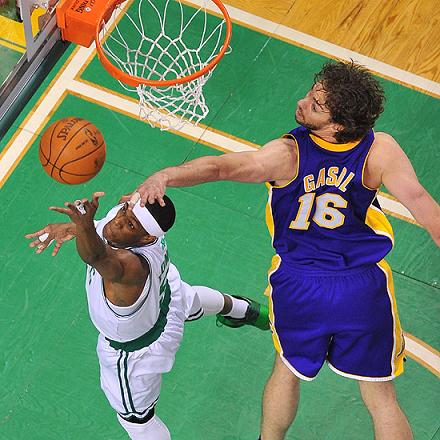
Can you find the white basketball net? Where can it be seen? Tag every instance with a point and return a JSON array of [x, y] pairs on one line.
[[161, 43]]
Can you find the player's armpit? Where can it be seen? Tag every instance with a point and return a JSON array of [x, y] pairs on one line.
[[121, 266], [124, 275]]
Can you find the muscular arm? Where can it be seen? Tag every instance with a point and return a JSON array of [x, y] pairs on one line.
[[268, 164], [276, 161], [123, 272], [389, 165], [115, 266]]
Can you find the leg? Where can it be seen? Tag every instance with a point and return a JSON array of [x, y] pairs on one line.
[[231, 310], [132, 390], [280, 402], [214, 302], [153, 429], [389, 420]]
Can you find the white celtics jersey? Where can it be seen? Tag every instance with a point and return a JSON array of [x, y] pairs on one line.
[[114, 322]]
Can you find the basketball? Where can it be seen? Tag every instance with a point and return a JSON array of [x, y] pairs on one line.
[[72, 150]]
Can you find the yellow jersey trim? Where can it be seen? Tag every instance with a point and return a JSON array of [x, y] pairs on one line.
[[399, 340], [379, 223], [269, 216], [333, 147], [276, 261], [287, 136], [363, 169]]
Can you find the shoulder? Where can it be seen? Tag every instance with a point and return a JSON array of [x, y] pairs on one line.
[[287, 140], [385, 152], [282, 154], [384, 148], [281, 146], [282, 151], [385, 142]]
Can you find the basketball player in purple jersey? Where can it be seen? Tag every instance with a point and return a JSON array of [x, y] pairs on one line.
[[331, 291]]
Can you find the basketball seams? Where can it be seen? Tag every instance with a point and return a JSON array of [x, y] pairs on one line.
[[51, 138], [80, 158], [54, 126], [71, 174], [86, 153], [68, 142]]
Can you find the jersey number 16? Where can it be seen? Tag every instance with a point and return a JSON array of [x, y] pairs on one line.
[[325, 215]]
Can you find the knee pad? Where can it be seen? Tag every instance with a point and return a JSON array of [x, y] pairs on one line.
[[153, 429]]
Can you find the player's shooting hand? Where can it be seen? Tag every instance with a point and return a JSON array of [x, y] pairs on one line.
[[58, 232], [81, 212], [149, 191]]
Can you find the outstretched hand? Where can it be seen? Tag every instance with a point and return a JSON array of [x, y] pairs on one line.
[[150, 191], [81, 212], [58, 232]]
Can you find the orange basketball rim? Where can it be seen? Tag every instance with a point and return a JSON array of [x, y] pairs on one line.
[[81, 22]]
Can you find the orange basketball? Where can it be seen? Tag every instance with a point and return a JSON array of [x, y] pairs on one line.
[[72, 150]]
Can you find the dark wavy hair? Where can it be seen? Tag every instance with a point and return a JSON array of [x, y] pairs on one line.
[[354, 97]]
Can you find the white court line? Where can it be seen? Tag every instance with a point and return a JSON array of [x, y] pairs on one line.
[[26, 133], [35, 122], [421, 352], [393, 206], [331, 49], [66, 82]]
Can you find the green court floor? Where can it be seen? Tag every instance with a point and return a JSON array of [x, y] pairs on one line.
[[49, 372]]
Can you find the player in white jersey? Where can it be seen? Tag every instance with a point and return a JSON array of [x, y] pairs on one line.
[[138, 302]]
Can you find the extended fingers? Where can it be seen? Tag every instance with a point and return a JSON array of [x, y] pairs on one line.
[[36, 234], [150, 195], [95, 197], [73, 207], [56, 248], [151, 198], [62, 210], [160, 199], [41, 247], [34, 243]]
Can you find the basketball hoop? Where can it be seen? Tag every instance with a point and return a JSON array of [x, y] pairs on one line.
[[160, 50]]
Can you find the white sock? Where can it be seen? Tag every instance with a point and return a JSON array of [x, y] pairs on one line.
[[154, 429], [239, 307], [211, 300]]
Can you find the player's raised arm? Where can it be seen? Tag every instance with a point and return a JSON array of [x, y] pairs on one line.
[[275, 161], [116, 266], [398, 176]]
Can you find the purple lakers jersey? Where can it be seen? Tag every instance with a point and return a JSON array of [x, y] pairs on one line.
[[327, 218]]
